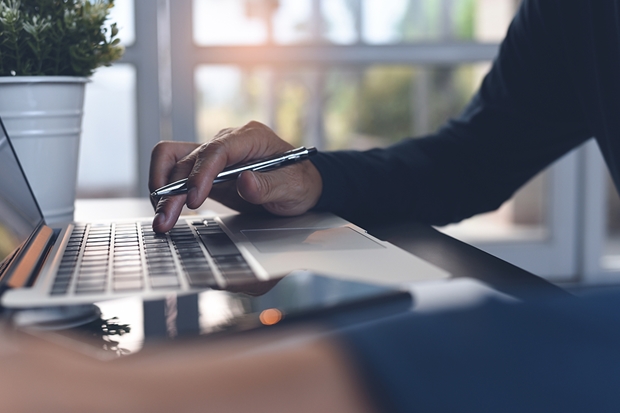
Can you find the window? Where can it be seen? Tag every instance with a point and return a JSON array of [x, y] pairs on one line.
[[109, 143], [334, 74], [359, 74]]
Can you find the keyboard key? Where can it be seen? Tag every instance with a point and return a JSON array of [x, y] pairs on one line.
[[90, 286], [135, 276], [94, 264], [128, 270], [59, 290], [64, 275], [192, 255], [100, 269], [165, 282], [230, 259], [195, 261], [239, 276], [160, 261], [95, 260], [129, 242], [162, 271], [133, 253], [202, 279], [127, 250], [126, 285], [159, 252], [219, 244], [127, 260], [96, 249]]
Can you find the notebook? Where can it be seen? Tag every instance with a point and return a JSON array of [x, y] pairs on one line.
[[81, 263]]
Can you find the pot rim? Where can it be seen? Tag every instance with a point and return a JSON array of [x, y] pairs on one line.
[[44, 79]]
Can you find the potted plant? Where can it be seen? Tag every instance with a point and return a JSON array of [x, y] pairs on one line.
[[48, 49]]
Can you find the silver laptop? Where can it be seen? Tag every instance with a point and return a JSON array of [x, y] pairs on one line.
[[90, 262]]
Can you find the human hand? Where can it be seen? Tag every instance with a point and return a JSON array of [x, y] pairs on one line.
[[291, 190]]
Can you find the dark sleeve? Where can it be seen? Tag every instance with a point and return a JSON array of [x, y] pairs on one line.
[[525, 115]]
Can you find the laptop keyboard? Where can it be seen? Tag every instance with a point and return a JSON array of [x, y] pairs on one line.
[[126, 257]]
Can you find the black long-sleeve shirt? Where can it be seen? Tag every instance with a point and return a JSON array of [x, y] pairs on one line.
[[554, 85]]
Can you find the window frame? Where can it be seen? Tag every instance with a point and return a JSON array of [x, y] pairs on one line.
[[558, 257]]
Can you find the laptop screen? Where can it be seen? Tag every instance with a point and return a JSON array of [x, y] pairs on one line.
[[19, 212]]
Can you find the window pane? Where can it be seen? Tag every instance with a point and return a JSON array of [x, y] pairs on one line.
[[362, 107], [395, 21], [229, 22], [108, 148], [236, 22], [358, 107], [229, 96], [293, 22], [248, 22], [611, 253], [123, 15], [339, 21], [382, 104]]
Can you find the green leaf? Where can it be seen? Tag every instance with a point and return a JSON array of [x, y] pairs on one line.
[[56, 37]]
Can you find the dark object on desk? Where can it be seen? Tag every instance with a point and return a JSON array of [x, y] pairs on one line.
[[297, 298], [300, 296]]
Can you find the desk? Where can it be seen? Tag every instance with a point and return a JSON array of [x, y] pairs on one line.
[[458, 258], [308, 371]]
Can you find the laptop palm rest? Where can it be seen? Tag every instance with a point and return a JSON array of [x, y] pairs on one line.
[[309, 239], [327, 244]]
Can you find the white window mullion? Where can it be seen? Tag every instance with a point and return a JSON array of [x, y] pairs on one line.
[[594, 218]]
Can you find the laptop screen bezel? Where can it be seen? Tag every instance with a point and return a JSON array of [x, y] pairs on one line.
[[21, 169], [17, 254]]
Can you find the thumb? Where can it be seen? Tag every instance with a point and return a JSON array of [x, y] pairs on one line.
[[283, 191]]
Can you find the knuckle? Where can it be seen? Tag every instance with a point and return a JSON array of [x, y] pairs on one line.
[[215, 146], [223, 132], [160, 148], [213, 149], [254, 124], [203, 149]]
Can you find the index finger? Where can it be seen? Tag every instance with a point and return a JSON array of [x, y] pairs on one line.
[[169, 162], [164, 159], [251, 141]]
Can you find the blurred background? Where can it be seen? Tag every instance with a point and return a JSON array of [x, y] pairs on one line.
[[336, 74]]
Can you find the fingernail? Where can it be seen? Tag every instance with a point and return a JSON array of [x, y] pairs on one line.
[[255, 179], [192, 196], [159, 219]]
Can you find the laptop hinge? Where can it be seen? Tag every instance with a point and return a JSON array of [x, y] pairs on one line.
[[22, 270]]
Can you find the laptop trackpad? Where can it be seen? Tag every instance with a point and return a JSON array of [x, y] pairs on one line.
[[308, 239]]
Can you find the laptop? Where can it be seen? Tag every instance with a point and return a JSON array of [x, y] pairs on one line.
[[82, 262]]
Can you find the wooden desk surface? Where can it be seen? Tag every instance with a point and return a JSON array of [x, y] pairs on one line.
[[458, 258]]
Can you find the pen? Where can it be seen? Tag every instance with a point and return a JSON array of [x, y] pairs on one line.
[[294, 155]]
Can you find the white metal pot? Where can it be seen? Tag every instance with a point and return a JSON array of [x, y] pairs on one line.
[[43, 117]]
